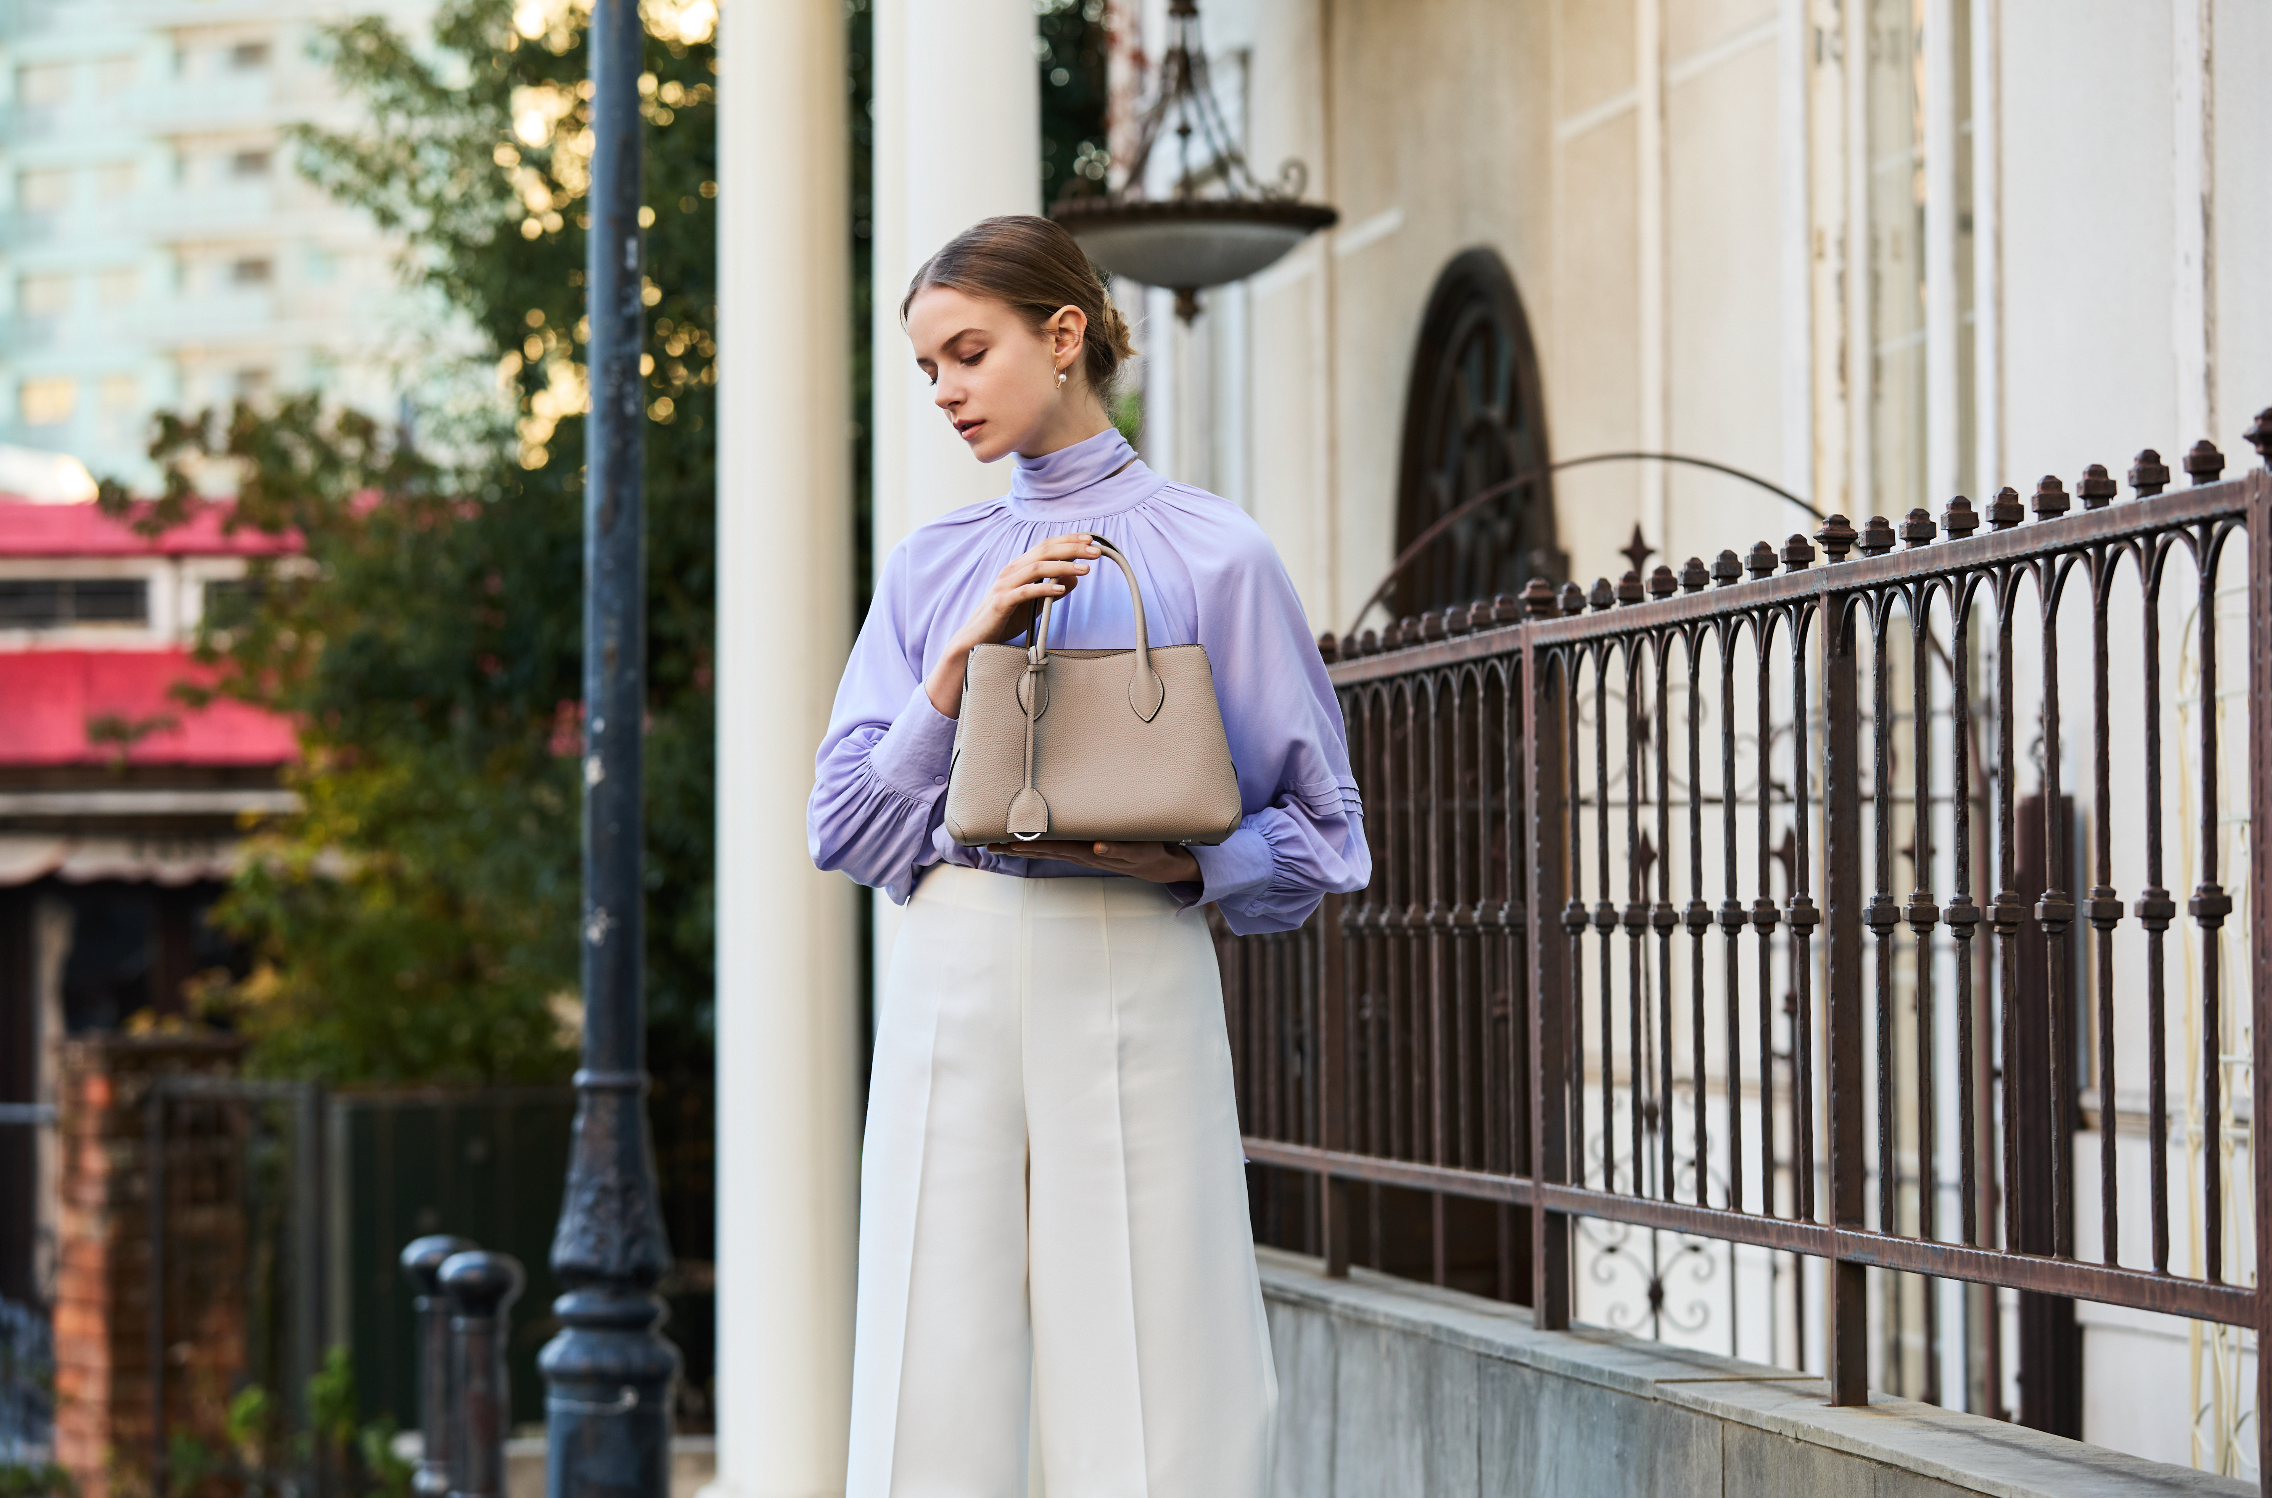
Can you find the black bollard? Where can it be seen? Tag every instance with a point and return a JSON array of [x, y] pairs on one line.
[[422, 1261], [482, 1288]]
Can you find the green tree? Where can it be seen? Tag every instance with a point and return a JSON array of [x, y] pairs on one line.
[[417, 920]]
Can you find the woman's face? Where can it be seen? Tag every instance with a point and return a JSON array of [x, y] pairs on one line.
[[993, 376]]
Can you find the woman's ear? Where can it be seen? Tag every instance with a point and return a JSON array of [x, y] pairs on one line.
[[1068, 329]]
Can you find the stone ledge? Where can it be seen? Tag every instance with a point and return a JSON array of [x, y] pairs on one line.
[[1894, 1446]]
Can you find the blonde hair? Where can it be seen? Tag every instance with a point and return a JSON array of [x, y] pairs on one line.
[[1036, 267]]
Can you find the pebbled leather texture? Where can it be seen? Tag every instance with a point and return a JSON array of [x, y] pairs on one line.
[[1103, 769]]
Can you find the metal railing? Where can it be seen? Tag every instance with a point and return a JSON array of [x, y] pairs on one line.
[[1810, 904]]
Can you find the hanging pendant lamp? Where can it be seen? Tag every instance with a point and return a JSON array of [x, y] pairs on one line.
[[1219, 224]]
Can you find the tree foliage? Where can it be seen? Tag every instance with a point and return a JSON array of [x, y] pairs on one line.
[[416, 921]]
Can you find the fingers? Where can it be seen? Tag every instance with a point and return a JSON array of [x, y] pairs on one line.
[[1075, 545]]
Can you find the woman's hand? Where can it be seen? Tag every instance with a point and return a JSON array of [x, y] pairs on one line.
[[1012, 604], [1158, 863]]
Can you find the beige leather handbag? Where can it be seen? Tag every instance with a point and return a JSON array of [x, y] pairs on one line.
[[1091, 745]]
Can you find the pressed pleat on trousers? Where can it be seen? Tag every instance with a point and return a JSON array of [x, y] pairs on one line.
[[1053, 1209]]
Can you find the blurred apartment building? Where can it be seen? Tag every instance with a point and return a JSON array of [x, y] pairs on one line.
[[158, 250]]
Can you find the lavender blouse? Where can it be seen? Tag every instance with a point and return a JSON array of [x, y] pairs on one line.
[[1209, 575]]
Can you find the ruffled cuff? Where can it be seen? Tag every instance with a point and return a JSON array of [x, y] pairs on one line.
[[1232, 869], [914, 755]]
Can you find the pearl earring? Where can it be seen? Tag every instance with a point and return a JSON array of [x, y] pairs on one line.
[[1061, 379]]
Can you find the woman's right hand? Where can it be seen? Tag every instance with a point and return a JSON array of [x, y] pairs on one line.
[[1051, 569]]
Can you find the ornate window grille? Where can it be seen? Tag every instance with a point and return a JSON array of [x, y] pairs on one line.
[[1474, 419]]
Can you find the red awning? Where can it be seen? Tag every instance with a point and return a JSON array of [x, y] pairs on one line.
[[81, 530], [48, 698]]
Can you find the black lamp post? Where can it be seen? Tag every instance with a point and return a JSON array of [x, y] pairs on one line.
[[609, 1373]]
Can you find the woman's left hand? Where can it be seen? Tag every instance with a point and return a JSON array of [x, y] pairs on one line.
[[1158, 863]]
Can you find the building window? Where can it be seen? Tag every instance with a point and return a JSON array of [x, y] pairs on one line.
[[53, 602], [246, 57], [44, 191], [115, 75], [43, 296], [1474, 421], [114, 180], [230, 603], [46, 403], [43, 84], [249, 164], [118, 397], [118, 288], [252, 270], [251, 384]]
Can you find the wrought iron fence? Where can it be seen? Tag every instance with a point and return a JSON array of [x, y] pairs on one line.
[[1810, 901]]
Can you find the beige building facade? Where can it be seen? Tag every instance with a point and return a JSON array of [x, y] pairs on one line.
[[1876, 253]]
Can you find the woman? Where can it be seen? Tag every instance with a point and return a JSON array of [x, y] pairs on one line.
[[1053, 1206]]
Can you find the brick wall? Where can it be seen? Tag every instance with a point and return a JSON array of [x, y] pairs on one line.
[[103, 1426]]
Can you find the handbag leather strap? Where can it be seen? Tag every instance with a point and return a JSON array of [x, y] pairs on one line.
[[1146, 694], [1145, 689]]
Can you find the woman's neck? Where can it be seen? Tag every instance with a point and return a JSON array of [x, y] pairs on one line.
[[1074, 420]]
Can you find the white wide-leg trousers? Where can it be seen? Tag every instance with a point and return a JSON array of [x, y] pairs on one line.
[[1053, 1211]]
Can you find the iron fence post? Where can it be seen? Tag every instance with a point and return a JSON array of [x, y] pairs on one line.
[[154, 1124], [481, 1288], [1333, 1080], [1847, 1353], [2260, 906], [1543, 731], [422, 1260], [308, 1295], [609, 1372]]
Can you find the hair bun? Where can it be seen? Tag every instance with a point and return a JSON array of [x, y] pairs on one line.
[[1115, 330]]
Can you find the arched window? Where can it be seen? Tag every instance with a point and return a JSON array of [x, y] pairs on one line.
[[1474, 419]]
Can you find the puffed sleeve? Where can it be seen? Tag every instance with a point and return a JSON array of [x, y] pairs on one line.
[[1304, 835], [881, 774]]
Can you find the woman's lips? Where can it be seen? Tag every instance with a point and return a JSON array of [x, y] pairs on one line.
[[964, 429]]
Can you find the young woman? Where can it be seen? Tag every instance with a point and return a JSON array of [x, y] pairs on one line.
[[1053, 1211]]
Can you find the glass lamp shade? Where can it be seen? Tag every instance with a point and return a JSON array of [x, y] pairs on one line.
[[1189, 244]]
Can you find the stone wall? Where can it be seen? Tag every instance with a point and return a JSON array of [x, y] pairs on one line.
[[104, 1433], [1389, 1389]]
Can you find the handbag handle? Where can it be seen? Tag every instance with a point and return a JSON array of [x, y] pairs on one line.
[[1146, 692], [1029, 811]]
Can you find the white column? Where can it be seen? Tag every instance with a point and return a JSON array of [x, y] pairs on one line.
[[1793, 42], [1944, 373], [958, 139], [1649, 226], [788, 1018], [2193, 179], [1987, 247]]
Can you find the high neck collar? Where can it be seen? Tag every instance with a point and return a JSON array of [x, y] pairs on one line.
[[1069, 470]]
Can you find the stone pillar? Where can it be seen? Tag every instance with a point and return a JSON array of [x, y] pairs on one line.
[[103, 1335], [788, 1018], [958, 139]]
